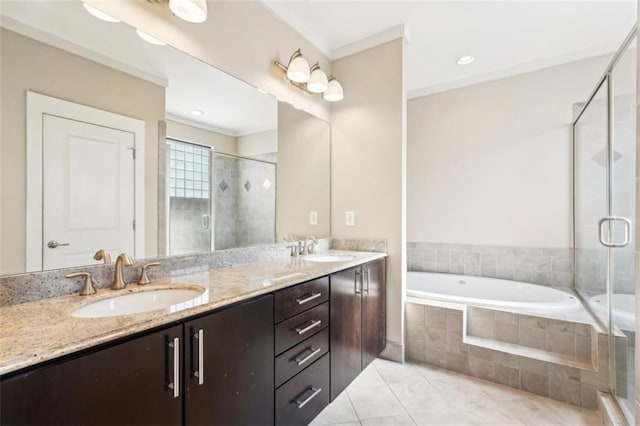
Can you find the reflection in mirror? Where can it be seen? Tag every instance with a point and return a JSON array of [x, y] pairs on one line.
[[110, 142]]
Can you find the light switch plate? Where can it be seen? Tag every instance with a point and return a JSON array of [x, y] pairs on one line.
[[313, 217], [349, 218]]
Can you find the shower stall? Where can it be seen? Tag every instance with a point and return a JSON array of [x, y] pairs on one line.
[[604, 167]]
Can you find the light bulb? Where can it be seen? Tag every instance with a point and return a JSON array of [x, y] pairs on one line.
[[334, 91], [298, 70], [99, 14], [317, 80], [190, 10]]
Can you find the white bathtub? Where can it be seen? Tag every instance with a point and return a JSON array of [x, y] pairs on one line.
[[623, 309], [491, 292]]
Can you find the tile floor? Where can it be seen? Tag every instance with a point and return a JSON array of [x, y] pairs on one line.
[[389, 393]]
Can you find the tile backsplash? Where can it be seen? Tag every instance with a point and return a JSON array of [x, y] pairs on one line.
[[545, 266]]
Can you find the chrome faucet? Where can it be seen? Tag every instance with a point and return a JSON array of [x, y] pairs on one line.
[[118, 281], [311, 245], [103, 255]]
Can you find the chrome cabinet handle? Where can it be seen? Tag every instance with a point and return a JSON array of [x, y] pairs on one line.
[[312, 325], [306, 401], [357, 274], [54, 244], [366, 274], [176, 367], [199, 336], [308, 299], [314, 352], [627, 231]]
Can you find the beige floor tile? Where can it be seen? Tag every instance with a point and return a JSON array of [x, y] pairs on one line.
[[374, 401], [339, 411], [399, 420]]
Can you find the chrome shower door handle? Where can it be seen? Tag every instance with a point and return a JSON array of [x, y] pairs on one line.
[[206, 220], [627, 231]]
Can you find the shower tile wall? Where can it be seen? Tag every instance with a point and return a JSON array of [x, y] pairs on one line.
[[244, 202], [545, 266]]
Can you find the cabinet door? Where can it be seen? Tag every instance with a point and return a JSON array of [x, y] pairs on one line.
[[346, 326], [373, 311], [229, 366], [123, 384]]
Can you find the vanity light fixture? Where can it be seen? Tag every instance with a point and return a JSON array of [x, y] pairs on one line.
[[194, 11], [465, 60], [334, 91], [98, 13], [311, 79], [146, 37], [318, 82]]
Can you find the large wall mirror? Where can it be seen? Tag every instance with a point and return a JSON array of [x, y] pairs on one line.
[[109, 141]]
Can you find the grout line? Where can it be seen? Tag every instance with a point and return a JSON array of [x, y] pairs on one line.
[[353, 407], [396, 396]]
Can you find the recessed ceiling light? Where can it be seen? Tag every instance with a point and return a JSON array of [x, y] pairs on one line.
[[146, 37], [465, 60], [99, 14], [197, 112]]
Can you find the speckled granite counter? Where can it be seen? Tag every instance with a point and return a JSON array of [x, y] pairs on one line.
[[43, 330]]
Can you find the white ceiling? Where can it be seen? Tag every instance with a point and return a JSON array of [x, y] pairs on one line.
[[506, 37], [229, 105]]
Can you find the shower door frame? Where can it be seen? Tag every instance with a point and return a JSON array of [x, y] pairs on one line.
[[606, 78]]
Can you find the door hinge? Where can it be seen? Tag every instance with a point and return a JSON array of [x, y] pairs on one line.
[[133, 152], [134, 224]]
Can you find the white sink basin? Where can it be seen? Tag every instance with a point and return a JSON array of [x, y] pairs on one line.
[[329, 258], [135, 303]]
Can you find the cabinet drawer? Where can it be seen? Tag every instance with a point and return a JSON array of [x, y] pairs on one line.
[[301, 356], [291, 301], [294, 330], [301, 399]]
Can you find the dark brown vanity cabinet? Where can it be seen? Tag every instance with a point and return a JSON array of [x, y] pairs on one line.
[[358, 321], [302, 347], [127, 383], [213, 370], [229, 375]]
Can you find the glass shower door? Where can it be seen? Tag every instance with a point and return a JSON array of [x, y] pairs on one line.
[[622, 270]]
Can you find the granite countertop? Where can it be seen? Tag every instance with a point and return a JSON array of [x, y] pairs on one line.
[[38, 331]]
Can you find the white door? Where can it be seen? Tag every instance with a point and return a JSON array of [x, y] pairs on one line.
[[88, 191]]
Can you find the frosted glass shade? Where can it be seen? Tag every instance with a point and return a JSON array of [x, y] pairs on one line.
[[190, 10], [317, 81], [334, 91], [298, 70]]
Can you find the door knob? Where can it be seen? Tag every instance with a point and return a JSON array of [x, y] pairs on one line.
[[53, 244]]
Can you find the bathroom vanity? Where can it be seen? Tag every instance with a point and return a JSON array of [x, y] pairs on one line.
[[269, 354]]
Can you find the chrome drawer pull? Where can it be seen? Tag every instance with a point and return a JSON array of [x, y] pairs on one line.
[[313, 395], [200, 373], [176, 367], [314, 352], [311, 326], [308, 299]]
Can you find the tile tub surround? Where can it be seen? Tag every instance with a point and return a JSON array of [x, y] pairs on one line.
[[42, 330], [544, 266], [436, 335]]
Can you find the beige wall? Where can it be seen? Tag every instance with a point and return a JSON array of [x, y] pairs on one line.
[[491, 163], [187, 133], [259, 143], [303, 181], [31, 65], [242, 38], [368, 151]]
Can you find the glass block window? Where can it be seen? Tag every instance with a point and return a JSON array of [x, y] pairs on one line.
[[188, 170]]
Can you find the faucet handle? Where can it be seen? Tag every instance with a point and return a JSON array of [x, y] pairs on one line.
[[88, 287], [144, 279], [294, 250]]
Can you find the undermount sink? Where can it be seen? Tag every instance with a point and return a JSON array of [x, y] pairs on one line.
[[139, 302], [326, 258]]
